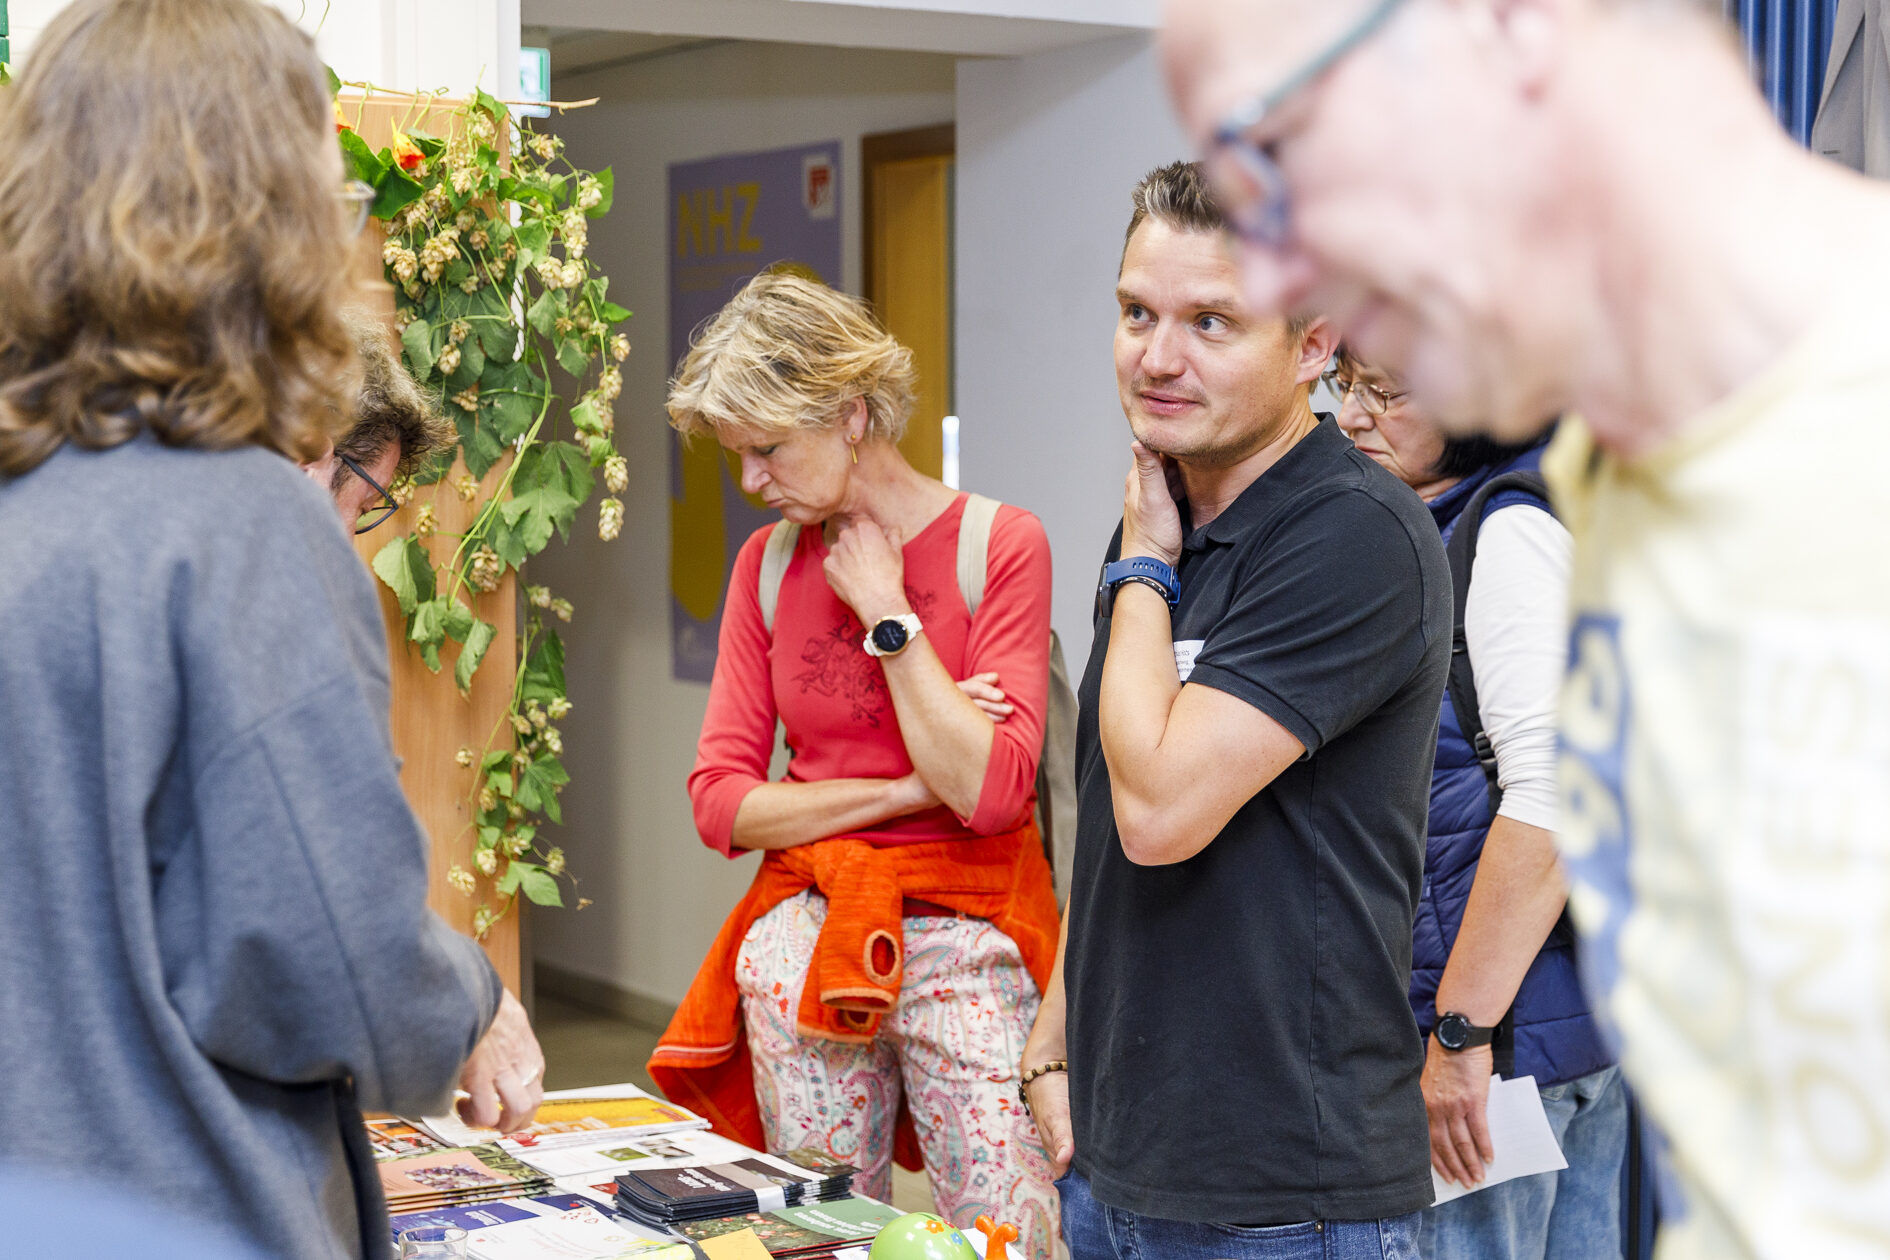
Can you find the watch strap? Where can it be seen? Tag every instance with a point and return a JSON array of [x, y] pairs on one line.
[[1147, 569]]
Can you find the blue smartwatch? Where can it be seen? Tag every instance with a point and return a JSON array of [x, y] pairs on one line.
[[1143, 569]]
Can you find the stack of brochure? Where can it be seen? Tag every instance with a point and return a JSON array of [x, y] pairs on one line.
[[456, 1176], [814, 1229], [756, 1183]]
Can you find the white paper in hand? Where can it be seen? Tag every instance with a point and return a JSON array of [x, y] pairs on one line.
[[1519, 1134]]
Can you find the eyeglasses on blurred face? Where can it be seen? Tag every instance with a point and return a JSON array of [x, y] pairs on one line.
[[380, 507], [1246, 177], [357, 198], [1372, 400]]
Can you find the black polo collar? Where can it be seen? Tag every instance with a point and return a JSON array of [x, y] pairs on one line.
[[1273, 488]]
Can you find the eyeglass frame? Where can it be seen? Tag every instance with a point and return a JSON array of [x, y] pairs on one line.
[[380, 511], [1267, 225], [357, 196], [1366, 392]]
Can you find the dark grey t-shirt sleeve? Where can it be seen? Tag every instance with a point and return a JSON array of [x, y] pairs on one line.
[[1328, 620]]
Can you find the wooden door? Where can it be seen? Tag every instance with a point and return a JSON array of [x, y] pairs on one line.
[[907, 223]]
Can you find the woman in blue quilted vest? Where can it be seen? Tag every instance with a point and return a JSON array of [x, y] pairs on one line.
[[1493, 973]]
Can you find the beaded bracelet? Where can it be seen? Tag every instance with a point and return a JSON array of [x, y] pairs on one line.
[[1042, 1069]]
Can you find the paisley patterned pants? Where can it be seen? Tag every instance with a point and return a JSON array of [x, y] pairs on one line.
[[952, 1045]]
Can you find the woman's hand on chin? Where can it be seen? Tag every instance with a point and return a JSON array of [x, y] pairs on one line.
[[867, 571]]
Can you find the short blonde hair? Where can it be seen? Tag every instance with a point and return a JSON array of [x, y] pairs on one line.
[[172, 253], [788, 353]]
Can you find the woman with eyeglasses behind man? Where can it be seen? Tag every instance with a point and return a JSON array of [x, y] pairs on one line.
[[1493, 979], [213, 918]]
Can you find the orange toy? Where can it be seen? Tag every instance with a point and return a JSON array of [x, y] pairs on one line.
[[995, 1237]]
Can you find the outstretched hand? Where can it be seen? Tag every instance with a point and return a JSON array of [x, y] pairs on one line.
[[505, 1077], [1151, 520]]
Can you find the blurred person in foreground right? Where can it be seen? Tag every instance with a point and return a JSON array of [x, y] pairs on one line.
[[1530, 207], [213, 924]]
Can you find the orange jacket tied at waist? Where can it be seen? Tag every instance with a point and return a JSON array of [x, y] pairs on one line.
[[702, 1060]]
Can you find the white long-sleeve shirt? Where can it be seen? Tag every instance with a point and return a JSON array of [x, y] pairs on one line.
[[1516, 624]]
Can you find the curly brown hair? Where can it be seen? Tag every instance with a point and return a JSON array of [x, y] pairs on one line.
[[390, 410], [172, 249]]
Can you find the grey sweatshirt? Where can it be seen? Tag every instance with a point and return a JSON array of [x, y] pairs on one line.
[[215, 949]]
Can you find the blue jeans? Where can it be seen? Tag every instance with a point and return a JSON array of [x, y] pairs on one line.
[[1096, 1231], [1574, 1214]]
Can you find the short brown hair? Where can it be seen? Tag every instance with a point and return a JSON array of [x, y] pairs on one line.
[[173, 254], [789, 353], [1178, 196], [391, 410]]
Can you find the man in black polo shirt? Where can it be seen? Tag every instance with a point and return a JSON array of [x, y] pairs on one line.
[[1253, 762]]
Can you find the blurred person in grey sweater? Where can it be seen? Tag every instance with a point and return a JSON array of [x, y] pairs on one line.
[[214, 937]]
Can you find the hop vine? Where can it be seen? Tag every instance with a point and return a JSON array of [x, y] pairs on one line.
[[489, 255]]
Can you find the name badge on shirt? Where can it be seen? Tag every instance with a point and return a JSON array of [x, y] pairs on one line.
[[1185, 652]]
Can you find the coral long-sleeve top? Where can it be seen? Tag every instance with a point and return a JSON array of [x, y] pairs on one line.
[[813, 675]]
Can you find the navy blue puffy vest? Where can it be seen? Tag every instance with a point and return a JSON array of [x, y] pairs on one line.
[[1551, 1035]]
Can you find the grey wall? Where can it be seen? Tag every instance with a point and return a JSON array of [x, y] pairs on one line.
[[1049, 148], [659, 895]]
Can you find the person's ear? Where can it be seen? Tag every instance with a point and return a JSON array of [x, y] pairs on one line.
[[856, 421], [1317, 345]]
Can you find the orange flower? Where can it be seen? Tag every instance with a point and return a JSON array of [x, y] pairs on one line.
[[341, 120], [407, 154]]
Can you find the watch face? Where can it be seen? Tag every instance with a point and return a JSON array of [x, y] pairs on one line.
[[1453, 1031], [890, 635]]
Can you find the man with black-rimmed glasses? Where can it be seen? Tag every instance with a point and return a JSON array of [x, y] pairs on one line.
[[395, 432]]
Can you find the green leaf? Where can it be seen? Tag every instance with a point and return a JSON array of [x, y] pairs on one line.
[[611, 313], [507, 542], [459, 620], [538, 785], [404, 566], [430, 656], [500, 781], [474, 652], [546, 312], [585, 419], [599, 450], [534, 239], [358, 161], [334, 80], [572, 356], [514, 871], [540, 887], [491, 105], [429, 623], [479, 445], [395, 190], [544, 670], [430, 146], [472, 362], [574, 466], [607, 182], [417, 340]]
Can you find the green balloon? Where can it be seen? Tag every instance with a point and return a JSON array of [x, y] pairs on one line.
[[921, 1236]]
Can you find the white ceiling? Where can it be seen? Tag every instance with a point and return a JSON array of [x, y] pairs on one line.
[[963, 27]]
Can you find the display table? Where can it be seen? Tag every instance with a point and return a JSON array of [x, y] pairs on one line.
[[613, 1171]]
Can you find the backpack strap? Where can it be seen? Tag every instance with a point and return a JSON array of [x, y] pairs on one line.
[[974, 546], [1462, 554], [774, 565]]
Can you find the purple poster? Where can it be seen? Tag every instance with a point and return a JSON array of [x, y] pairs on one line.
[[731, 218]]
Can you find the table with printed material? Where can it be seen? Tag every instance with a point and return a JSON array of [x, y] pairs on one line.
[[612, 1172]]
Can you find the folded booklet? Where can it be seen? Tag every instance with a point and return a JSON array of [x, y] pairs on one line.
[[575, 1118]]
